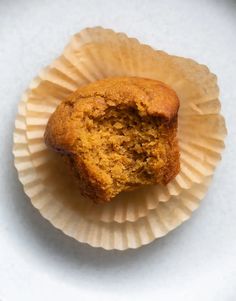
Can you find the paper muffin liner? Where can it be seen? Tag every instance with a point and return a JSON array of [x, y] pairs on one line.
[[94, 54]]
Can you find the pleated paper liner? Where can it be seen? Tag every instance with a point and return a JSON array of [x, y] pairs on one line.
[[97, 53], [68, 217]]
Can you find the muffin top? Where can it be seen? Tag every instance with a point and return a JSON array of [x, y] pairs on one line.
[[149, 97]]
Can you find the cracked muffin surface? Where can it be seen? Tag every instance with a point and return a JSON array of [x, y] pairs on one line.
[[117, 134]]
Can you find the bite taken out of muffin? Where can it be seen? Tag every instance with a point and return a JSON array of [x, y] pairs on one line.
[[117, 134]]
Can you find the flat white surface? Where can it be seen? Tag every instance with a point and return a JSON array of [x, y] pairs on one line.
[[195, 262]]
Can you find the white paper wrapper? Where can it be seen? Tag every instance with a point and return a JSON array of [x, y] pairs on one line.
[[91, 55]]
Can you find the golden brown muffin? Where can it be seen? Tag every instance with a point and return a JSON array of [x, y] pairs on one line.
[[117, 134]]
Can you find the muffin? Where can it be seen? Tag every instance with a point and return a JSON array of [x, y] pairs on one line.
[[117, 134]]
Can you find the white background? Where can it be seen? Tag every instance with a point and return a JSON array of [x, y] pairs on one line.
[[197, 261]]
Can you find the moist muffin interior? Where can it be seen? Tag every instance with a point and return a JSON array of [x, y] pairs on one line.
[[127, 148]]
